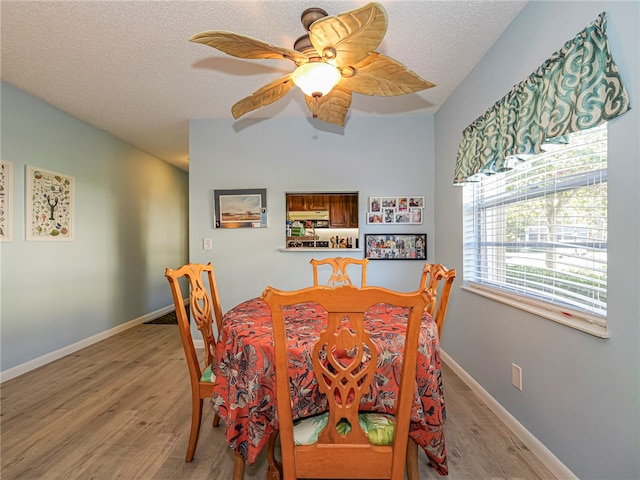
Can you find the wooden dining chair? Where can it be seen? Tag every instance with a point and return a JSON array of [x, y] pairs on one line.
[[204, 306], [344, 442], [339, 275], [439, 280]]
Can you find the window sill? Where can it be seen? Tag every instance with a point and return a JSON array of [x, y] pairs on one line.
[[551, 312]]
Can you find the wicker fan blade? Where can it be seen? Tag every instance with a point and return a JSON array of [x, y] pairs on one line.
[[383, 76], [246, 47], [332, 107], [353, 35], [264, 96]]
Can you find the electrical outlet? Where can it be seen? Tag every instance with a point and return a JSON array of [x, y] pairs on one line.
[[516, 376], [207, 243]]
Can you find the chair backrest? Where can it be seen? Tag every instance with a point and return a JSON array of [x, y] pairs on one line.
[[339, 275], [439, 279], [204, 305], [344, 362]]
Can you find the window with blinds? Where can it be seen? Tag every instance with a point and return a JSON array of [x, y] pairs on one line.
[[538, 233]]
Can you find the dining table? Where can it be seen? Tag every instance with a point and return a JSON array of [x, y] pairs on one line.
[[244, 392]]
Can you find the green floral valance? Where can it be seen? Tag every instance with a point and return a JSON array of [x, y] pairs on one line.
[[578, 88]]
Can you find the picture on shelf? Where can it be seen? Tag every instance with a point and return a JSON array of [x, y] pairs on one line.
[[391, 246]]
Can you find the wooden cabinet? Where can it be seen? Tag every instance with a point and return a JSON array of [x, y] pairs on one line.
[[343, 211], [342, 207], [306, 203]]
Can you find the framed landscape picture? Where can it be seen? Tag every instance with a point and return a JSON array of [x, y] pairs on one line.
[[394, 246], [240, 208]]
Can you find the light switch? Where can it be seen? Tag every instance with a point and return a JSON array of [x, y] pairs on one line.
[[516, 376], [207, 243]]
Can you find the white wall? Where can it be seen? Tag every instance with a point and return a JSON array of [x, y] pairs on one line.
[[131, 223], [581, 395], [374, 156]]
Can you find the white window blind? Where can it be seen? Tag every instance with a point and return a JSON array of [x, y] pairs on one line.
[[538, 233]]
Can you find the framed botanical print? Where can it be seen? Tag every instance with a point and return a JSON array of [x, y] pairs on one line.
[[49, 205], [6, 201]]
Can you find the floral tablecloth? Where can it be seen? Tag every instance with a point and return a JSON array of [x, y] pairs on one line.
[[244, 390]]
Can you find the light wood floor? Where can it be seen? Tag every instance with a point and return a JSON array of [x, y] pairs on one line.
[[120, 409]]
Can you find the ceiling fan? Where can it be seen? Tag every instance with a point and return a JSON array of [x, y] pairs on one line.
[[339, 48]]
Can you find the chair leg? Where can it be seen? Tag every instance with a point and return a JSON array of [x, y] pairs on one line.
[[412, 460], [216, 420], [196, 417], [274, 470], [238, 467]]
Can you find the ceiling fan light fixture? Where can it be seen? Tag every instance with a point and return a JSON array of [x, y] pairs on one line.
[[316, 79], [342, 51]]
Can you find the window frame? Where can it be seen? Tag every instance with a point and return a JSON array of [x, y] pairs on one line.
[[587, 322]]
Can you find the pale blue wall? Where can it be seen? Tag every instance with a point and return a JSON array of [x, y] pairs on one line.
[[375, 156], [131, 223], [581, 395]]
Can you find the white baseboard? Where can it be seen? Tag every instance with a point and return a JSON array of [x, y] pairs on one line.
[[69, 349], [537, 448]]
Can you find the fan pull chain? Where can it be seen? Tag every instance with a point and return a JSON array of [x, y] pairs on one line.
[[314, 112]]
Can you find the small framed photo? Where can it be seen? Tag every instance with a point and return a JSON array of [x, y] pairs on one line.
[[389, 215], [415, 215], [374, 204], [244, 208], [388, 202], [402, 217], [374, 217], [416, 202], [393, 246], [49, 205]]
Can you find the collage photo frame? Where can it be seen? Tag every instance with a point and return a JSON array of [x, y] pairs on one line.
[[405, 210], [396, 246]]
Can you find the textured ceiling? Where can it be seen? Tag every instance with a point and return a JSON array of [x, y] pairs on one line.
[[128, 68]]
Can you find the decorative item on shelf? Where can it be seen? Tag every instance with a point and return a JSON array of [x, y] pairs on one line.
[[398, 210], [297, 229]]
